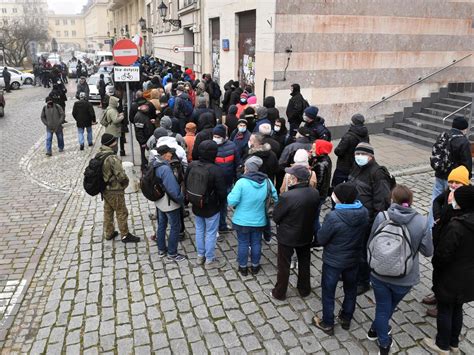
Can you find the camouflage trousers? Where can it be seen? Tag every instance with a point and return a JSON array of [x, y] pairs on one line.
[[115, 202]]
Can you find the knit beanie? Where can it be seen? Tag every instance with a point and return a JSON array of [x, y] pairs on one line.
[[301, 157], [358, 119], [305, 132], [464, 197], [190, 127], [160, 132], [364, 148], [460, 123], [201, 101], [219, 130], [262, 112], [311, 112], [107, 139], [242, 120], [346, 193], [265, 129], [253, 163], [322, 147], [166, 123], [460, 174]]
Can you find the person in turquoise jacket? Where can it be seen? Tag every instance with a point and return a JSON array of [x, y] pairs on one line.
[[249, 197]]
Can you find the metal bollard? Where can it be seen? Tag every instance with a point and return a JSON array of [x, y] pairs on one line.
[[134, 184]]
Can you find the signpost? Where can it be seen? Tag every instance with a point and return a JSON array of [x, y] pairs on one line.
[[125, 53], [178, 49]]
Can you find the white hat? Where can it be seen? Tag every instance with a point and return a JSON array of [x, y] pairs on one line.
[[301, 157]]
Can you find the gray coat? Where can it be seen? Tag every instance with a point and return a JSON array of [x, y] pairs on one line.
[[53, 117], [114, 119], [421, 240]]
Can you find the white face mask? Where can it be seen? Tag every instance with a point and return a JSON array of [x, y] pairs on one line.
[[242, 129], [455, 204], [361, 160], [334, 198], [277, 128], [306, 119], [218, 140]]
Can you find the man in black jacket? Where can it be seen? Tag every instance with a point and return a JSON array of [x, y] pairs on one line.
[[345, 149], [84, 114], [180, 110], [294, 215], [206, 123], [316, 124], [373, 186], [6, 79], [295, 108], [144, 128], [207, 215], [257, 147], [139, 101]]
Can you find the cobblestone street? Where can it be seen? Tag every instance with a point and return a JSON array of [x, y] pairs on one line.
[[63, 288]]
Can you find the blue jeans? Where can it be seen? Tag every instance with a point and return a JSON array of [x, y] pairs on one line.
[[223, 214], [387, 297], [252, 239], [206, 236], [329, 280], [439, 186], [49, 139], [80, 135], [174, 220]]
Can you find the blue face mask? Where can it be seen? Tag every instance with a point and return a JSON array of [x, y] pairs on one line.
[[361, 160], [242, 129]]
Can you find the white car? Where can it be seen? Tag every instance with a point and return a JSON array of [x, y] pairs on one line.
[[28, 78], [16, 80], [93, 90]]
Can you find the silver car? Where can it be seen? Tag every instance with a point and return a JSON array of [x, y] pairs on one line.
[[92, 81]]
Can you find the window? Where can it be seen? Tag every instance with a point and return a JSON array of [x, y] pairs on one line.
[[58, 33], [57, 22], [73, 33], [5, 22], [65, 22], [4, 10], [15, 10], [73, 22], [66, 33]]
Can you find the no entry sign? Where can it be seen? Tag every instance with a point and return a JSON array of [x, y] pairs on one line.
[[125, 52]]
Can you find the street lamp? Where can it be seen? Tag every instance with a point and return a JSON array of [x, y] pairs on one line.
[[142, 23], [122, 31], [163, 9]]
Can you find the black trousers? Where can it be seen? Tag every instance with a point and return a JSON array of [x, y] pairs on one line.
[[304, 277], [449, 324], [122, 142]]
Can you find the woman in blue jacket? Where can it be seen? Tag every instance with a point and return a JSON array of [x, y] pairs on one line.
[[249, 197]]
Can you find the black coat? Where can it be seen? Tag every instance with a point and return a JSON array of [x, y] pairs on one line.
[[273, 144], [228, 87], [460, 153], [294, 215], [347, 145], [453, 261], [373, 187], [270, 162], [135, 105], [205, 125], [296, 106], [83, 113], [322, 166], [318, 129], [143, 127], [235, 96]]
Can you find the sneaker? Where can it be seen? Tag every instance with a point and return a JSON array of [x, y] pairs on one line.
[[385, 350], [49, 154], [130, 238], [372, 334], [293, 264], [269, 293], [318, 323], [431, 345], [177, 258], [432, 312], [226, 229], [255, 269], [361, 289], [215, 264], [345, 324], [267, 239], [91, 144], [200, 260], [152, 216], [112, 236], [429, 300], [162, 253], [81, 147], [219, 237], [244, 271]]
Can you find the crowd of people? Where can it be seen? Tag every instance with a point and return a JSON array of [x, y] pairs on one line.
[[214, 151]]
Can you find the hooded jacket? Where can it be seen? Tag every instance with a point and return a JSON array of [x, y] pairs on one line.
[[216, 188], [228, 159], [228, 88], [173, 198], [53, 117], [114, 126], [296, 105], [240, 140], [295, 214], [282, 136], [321, 164], [318, 129], [231, 119], [179, 110], [248, 197], [347, 145], [83, 113], [342, 235], [272, 112], [460, 153], [114, 176], [143, 127], [205, 125], [270, 161], [286, 158], [421, 241], [453, 262]]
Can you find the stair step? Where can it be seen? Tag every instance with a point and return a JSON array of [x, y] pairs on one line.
[[419, 131], [441, 113], [455, 102], [432, 118], [466, 96], [448, 107], [412, 137], [437, 127]]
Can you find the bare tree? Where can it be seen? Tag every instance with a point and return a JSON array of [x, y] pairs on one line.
[[16, 37]]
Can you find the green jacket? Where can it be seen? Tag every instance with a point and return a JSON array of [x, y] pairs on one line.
[[114, 119], [112, 170]]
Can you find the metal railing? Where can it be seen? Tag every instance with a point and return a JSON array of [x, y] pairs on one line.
[[470, 134], [421, 79]]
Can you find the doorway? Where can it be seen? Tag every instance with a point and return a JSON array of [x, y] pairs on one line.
[[247, 28], [215, 49]]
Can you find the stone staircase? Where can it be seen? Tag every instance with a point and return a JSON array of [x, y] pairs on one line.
[[423, 122]]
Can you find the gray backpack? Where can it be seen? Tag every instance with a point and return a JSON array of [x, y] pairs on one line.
[[389, 252]]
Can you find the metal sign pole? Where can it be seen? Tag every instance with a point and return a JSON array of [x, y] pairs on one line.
[[129, 101]]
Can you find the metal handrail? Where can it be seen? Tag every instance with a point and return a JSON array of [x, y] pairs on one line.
[[421, 79], [459, 109]]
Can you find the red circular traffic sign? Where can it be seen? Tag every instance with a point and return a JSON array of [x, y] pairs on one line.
[[125, 52]]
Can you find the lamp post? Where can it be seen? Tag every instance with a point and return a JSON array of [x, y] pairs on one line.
[[163, 9], [144, 29]]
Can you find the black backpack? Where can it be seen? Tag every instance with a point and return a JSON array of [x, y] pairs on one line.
[[178, 170], [196, 184], [441, 158], [94, 183], [151, 185], [216, 91], [390, 178]]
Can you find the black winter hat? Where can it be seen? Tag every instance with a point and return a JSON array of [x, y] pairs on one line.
[[108, 139], [346, 193], [464, 197], [460, 123]]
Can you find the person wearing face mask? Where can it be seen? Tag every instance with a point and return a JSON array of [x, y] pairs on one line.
[[453, 279], [373, 185], [240, 136], [116, 181], [231, 118], [443, 212], [257, 147], [228, 159], [242, 105], [316, 124]]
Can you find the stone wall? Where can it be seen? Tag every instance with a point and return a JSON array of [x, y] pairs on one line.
[[349, 54]]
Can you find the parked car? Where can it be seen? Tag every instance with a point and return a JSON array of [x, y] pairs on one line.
[[16, 80], [72, 70], [93, 90], [106, 67], [28, 78]]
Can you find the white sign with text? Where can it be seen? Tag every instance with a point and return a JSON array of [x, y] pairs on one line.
[[126, 74]]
